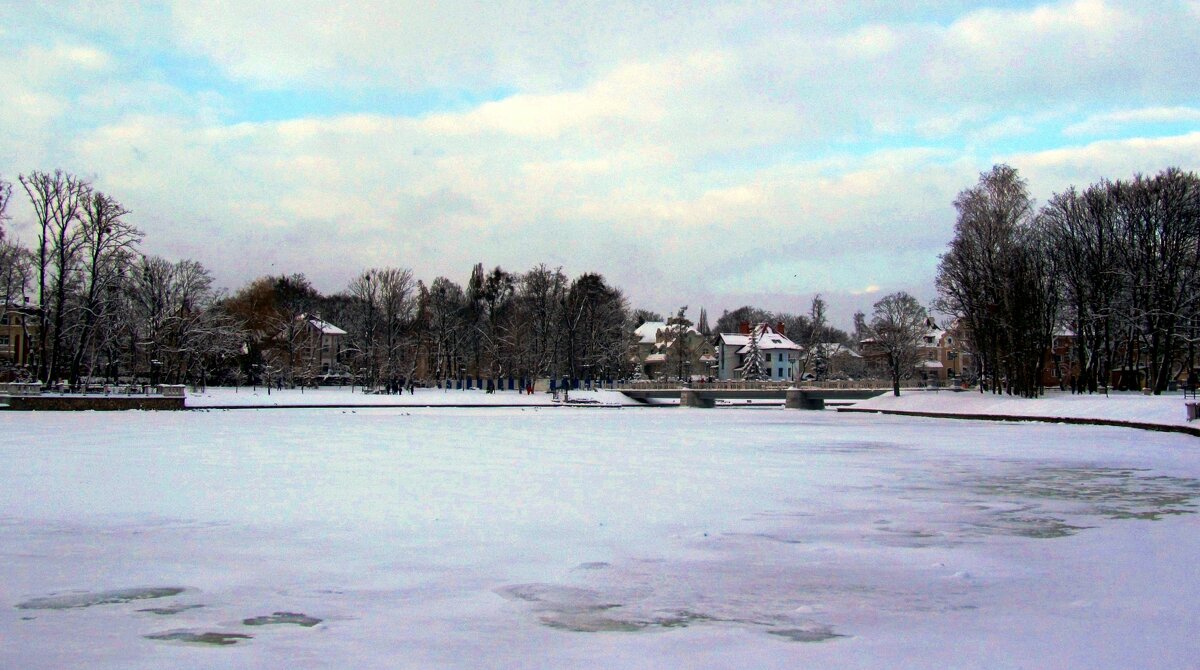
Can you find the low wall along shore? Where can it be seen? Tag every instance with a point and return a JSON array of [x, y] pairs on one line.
[[56, 403], [28, 397]]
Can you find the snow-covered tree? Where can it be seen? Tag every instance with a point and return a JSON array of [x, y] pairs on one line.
[[753, 369]]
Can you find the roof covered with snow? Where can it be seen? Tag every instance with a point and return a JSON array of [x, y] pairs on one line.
[[648, 332], [325, 327], [770, 341]]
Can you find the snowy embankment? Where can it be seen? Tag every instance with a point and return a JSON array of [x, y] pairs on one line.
[[344, 396], [1133, 408]]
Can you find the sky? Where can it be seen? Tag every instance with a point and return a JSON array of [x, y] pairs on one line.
[[704, 154]]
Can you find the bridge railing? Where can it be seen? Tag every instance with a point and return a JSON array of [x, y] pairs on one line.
[[742, 385]]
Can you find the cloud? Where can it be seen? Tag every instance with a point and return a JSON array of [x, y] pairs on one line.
[[706, 149], [1109, 122], [417, 45], [1053, 170]]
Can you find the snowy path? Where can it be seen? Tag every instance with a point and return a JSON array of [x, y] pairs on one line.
[[515, 538]]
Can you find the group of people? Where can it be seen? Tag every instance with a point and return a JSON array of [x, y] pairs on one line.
[[397, 387], [491, 387]]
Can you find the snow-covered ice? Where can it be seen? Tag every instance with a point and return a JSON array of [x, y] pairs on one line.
[[247, 396], [1166, 409], [623, 538]]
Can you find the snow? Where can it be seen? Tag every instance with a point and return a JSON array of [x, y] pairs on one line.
[[347, 396], [325, 327], [1166, 409], [647, 333], [539, 537]]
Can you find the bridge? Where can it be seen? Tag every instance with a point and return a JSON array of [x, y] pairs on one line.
[[707, 395]]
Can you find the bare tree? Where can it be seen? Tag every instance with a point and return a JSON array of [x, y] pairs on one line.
[[446, 305], [396, 313], [541, 293], [57, 200], [897, 324], [975, 274], [365, 290], [596, 341], [16, 272], [5, 199], [1160, 221], [1083, 237], [108, 245]]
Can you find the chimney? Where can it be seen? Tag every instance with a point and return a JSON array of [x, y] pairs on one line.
[[779, 329], [744, 327]]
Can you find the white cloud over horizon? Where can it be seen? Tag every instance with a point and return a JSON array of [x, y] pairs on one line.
[[704, 155]]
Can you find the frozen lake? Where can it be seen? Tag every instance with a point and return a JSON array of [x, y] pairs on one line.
[[555, 537]]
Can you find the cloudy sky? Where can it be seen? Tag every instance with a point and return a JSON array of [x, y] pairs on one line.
[[695, 153]]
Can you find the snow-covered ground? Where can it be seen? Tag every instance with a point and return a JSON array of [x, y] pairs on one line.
[[1167, 409], [345, 395], [615, 538]]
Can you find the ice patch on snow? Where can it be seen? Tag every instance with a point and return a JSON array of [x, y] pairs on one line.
[[88, 599], [207, 638], [295, 618]]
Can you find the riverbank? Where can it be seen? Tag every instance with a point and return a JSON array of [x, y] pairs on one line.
[[344, 397], [1134, 410]]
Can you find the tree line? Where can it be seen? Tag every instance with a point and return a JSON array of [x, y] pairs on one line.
[[1116, 264], [96, 306]]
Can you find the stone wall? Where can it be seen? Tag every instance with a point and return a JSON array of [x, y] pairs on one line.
[[92, 402]]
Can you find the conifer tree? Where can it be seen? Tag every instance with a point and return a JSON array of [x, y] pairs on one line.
[[702, 323], [752, 369]]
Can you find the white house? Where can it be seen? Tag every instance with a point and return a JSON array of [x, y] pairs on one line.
[[780, 355]]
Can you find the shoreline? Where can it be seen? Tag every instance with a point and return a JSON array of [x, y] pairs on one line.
[[1082, 421]]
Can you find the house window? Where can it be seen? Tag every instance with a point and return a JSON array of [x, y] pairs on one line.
[[3, 340], [779, 373]]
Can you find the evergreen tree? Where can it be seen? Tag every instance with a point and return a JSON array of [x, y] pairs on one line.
[[753, 368]]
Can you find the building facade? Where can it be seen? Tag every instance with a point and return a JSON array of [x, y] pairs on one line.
[[18, 331], [781, 356]]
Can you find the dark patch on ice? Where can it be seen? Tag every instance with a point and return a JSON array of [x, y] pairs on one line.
[[553, 593], [195, 637], [173, 609], [851, 447], [1111, 493], [87, 599], [600, 620], [912, 538], [782, 538], [587, 622], [1036, 527], [585, 611], [816, 633], [593, 565], [296, 618]]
